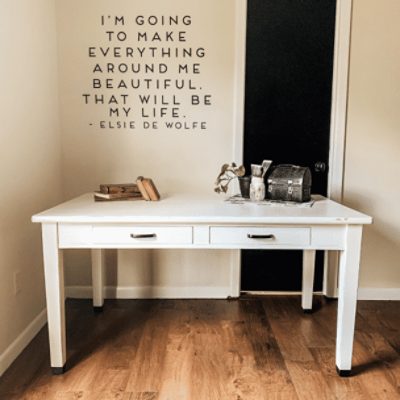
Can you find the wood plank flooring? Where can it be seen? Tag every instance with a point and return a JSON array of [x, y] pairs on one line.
[[246, 349]]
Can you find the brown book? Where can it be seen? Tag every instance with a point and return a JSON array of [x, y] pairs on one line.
[[115, 196], [97, 198], [119, 188], [151, 189], [140, 185]]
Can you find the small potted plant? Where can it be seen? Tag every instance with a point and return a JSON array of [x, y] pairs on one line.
[[228, 173]]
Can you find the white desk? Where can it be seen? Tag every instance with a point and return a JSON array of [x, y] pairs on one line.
[[190, 222]]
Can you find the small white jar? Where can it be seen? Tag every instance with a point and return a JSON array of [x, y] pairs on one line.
[[257, 189]]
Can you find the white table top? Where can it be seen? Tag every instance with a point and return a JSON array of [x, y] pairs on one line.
[[185, 208]]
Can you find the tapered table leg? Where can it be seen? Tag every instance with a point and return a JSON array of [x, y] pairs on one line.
[[347, 304], [98, 279], [54, 281], [308, 280]]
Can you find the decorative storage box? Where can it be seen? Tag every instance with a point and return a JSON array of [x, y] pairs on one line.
[[290, 183]]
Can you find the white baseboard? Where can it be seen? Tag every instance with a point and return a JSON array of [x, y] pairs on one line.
[[205, 292], [363, 293], [379, 294], [152, 292], [275, 293], [19, 344]]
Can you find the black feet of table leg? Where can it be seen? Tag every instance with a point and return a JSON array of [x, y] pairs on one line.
[[343, 372], [58, 370], [307, 310], [98, 309]]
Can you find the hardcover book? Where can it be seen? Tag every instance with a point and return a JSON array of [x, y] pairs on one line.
[[148, 189], [117, 196], [151, 189], [143, 191], [119, 188]]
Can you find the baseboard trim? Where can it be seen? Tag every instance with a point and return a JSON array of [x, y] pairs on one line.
[[207, 292], [152, 292], [19, 344], [379, 294], [274, 293], [363, 293]]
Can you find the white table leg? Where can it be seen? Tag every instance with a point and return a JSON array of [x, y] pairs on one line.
[[98, 279], [54, 280], [348, 284], [308, 280]]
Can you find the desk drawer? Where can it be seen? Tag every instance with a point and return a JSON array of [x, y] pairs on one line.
[[260, 237], [142, 235]]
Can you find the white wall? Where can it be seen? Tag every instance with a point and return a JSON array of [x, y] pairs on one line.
[[30, 173], [372, 168], [372, 141], [176, 160]]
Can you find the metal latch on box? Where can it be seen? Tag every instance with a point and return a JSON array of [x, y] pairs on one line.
[[290, 187]]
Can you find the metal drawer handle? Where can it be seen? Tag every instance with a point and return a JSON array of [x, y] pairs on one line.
[[251, 236], [143, 235]]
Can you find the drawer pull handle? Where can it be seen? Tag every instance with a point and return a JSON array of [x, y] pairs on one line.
[[143, 235], [251, 236]]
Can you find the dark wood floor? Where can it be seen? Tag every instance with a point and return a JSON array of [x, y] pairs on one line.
[[244, 349]]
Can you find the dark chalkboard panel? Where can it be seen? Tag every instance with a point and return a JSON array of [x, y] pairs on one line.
[[289, 63]]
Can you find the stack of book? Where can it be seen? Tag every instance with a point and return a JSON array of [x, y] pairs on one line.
[[118, 191], [143, 189]]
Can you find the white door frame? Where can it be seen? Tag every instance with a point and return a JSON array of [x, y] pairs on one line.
[[340, 86], [338, 114]]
